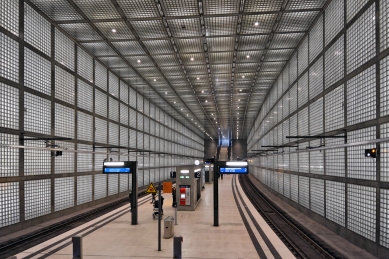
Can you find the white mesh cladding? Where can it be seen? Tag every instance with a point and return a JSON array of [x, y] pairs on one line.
[[132, 141], [124, 93], [84, 159], [384, 24], [293, 98], [37, 114], [64, 85], [303, 56], [123, 179], [9, 107], [84, 126], [294, 186], [9, 203], [63, 193], [293, 68], [335, 202], [334, 109], [293, 125], [287, 185], [316, 117], [132, 98], [100, 103], [303, 162], [124, 114], [358, 165], [316, 159], [146, 142], [384, 86], [285, 78], [139, 124], [361, 207], [113, 135], [84, 189], [286, 162], [100, 190], [113, 109], [37, 198], [334, 63], [361, 40], [334, 20], [37, 72], [113, 184], [293, 162], [64, 121], [84, 95], [146, 175], [9, 157], [36, 162], [317, 196], [304, 191], [132, 118], [37, 30], [147, 125], [113, 85], [316, 39], [316, 78], [303, 90], [84, 64], [100, 130], [285, 106], [9, 56], [303, 120], [335, 158], [100, 76], [139, 102], [353, 7], [9, 16], [361, 97], [384, 153], [124, 136], [140, 174], [64, 50], [65, 163], [139, 140], [384, 218]]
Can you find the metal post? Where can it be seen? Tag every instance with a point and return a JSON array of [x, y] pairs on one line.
[[216, 191], [134, 189], [177, 247], [159, 216], [77, 247], [175, 214]]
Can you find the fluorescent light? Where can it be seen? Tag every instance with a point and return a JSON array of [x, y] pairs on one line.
[[197, 170], [184, 171], [237, 163], [113, 163]]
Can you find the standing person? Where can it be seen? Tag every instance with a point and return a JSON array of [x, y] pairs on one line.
[[174, 196], [130, 197], [162, 198], [153, 197]]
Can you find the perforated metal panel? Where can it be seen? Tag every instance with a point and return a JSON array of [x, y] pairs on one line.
[[335, 202], [64, 193], [37, 198]]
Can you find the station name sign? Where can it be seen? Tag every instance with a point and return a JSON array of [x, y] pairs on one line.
[[117, 167]]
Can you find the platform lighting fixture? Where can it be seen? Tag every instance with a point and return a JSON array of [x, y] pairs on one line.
[[138, 60], [206, 101], [191, 59], [198, 78], [242, 76], [236, 163], [202, 91], [256, 23], [240, 90], [113, 30], [113, 163], [248, 56]]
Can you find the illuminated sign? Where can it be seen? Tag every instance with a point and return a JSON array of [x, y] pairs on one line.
[[116, 170], [233, 170]]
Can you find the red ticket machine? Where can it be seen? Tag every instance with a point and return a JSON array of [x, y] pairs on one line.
[[184, 195]]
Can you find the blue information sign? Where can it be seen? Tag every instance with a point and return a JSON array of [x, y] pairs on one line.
[[233, 170], [116, 170]]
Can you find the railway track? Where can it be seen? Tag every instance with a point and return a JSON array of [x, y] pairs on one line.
[[300, 241]]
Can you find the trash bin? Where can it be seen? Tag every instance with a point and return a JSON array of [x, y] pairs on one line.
[[169, 227]]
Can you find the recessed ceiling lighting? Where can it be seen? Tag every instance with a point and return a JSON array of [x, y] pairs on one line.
[[240, 90], [198, 78], [187, 115], [242, 76], [256, 23], [202, 91], [113, 30], [174, 102], [165, 92], [191, 59], [238, 112], [211, 113], [138, 60], [238, 100], [191, 119], [181, 109], [248, 56], [238, 107], [155, 80], [206, 101]]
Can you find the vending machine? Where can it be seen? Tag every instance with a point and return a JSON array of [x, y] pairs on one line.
[[184, 195]]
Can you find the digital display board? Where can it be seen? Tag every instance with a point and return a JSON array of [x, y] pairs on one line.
[[116, 170], [233, 170]]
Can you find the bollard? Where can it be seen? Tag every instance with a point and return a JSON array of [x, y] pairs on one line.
[[175, 213], [177, 247], [77, 247], [11, 257]]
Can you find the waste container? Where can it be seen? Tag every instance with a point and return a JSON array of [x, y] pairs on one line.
[[169, 227]]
